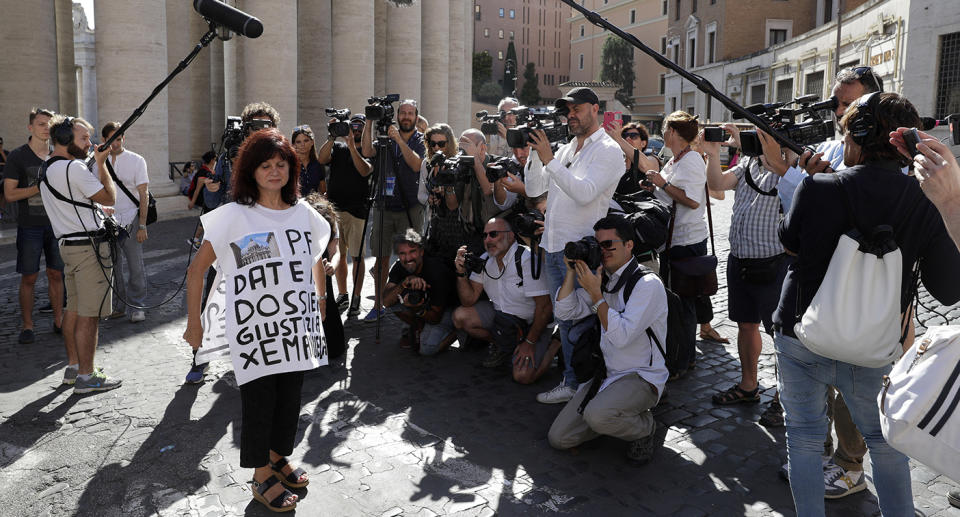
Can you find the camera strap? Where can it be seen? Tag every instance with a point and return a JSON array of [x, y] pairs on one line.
[[748, 176], [44, 181]]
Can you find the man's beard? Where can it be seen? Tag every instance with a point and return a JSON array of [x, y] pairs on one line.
[[75, 151], [406, 126]]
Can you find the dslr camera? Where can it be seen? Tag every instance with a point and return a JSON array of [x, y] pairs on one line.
[[526, 223], [342, 126], [452, 171], [380, 109], [550, 120], [586, 249], [415, 297], [813, 129], [499, 168], [488, 123], [473, 262]]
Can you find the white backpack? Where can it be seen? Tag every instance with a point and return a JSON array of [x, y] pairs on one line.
[[855, 315], [919, 411]]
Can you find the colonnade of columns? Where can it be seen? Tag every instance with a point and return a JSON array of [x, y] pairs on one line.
[[313, 54]]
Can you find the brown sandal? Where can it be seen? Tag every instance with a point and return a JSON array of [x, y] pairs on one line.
[[713, 335], [736, 395]]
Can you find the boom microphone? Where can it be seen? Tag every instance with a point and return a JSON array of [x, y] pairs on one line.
[[229, 17]]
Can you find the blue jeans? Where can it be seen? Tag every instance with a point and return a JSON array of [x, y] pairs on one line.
[[133, 289], [556, 271], [804, 378]]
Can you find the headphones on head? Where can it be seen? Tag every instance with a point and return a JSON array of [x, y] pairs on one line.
[[864, 126], [62, 133]]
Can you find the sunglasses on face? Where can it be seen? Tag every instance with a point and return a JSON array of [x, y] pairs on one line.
[[441, 143], [493, 234], [608, 244], [631, 135]]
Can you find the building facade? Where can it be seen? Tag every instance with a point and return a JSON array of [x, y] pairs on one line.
[[540, 33], [313, 54], [645, 19]]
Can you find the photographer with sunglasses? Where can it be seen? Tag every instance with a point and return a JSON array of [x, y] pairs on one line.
[[514, 320]]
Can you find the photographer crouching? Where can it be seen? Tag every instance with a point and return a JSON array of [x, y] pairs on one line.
[[580, 179], [423, 286], [631, 305], [515, 318]]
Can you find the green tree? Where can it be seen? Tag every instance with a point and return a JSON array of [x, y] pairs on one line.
[[616, 59], [482, 70], [510, 74], [530, 92], [489, 92]]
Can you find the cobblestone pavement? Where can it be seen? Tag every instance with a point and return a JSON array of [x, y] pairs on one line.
[[386, 433]]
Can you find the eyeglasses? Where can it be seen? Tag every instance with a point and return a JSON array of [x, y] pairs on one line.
[[493, 234], [608, 244], [441, 143], [631, 135]]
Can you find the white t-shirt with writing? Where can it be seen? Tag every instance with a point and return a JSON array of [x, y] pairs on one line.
[[265, 310], [66, 218], [131, 169], [690, 175]]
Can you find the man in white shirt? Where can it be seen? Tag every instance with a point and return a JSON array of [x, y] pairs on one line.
[[69, 191], [580, 179], [631, 336], [515, 318], [131, 170]]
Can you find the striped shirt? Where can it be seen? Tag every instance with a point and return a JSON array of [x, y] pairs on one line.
[[753, 227]]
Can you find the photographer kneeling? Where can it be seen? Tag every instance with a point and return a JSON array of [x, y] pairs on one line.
[[423, 286], [634, 371], [515, 318]]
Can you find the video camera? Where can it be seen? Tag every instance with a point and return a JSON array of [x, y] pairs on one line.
[[236, 131], [815, 129], [499, 168], [342, 126], [452, 171], [473, 263], [488, 123], [380, 109], [550, 120], [586, 249]]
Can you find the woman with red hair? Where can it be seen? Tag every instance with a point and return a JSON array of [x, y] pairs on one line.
[[266, 247]]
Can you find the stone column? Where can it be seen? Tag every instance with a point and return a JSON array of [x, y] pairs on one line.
[[218, 115], [267, 66], [28, 64], [466, 94], [188, 95], [128, 69], [315, 63], [403, 51], [230, 77], [85, 58], [434, 58], [353, 46], [455, 116], [380, 48], [66, 69]]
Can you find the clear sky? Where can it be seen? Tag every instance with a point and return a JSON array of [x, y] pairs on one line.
[[88, 8]]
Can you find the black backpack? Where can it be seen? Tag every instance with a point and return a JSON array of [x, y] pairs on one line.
[[587, 358], [649, 217]]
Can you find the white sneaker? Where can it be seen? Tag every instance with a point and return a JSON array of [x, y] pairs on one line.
[[137, 317], [559, 395]]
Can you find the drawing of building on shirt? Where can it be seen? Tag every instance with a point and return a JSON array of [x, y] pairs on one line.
[[254, 248]]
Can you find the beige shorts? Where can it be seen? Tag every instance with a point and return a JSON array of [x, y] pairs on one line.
[[351, 231], [88, 291], [394, 223]]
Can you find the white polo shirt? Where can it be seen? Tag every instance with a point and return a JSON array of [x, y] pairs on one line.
[[502, 286]]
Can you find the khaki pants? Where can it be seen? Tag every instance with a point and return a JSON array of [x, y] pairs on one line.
[[621, 410], [88, 291], [850, 444]]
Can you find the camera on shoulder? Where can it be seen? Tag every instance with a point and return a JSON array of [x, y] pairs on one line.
[[550, 120], [814, 128], [342, 126]]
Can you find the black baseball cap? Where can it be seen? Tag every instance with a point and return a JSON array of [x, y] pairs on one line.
[[578, 95]]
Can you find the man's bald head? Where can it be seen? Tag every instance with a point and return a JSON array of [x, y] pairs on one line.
[[474, 135]]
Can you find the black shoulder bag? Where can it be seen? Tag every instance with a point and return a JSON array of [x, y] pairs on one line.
[[151, 202]]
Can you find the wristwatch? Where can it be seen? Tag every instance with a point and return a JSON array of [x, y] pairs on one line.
[[462, 275], [596, 307], [665, 185], [143, 227]]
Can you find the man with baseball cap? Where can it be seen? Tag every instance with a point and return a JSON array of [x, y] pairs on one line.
[[580, 179], [348, 186]]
